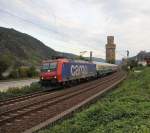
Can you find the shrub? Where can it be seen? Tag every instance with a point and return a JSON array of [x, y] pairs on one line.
[[14, 74], [23, 71], [32, 72], [5, 62]]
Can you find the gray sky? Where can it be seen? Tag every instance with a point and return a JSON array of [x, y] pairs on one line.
[[79, 25]]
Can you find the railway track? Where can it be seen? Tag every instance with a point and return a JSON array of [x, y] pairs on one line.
[[28, 115], [25, 101], [24, 97], [21, 98]]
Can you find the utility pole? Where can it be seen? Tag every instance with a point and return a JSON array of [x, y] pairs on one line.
[[128, 60], [82, 53], [91, 56], [127, 54]]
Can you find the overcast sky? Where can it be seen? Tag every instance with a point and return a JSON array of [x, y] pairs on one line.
[[79, 25]]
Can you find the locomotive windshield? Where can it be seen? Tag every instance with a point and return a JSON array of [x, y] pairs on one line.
[[49, 67]]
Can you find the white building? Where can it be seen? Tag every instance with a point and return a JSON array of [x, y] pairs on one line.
[[143, 63]]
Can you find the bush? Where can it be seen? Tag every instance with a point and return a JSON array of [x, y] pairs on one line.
[[14, 74], [5, 63], [32, 72], [24, 72]]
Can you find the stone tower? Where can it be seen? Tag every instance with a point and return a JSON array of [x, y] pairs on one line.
[[110, 50]]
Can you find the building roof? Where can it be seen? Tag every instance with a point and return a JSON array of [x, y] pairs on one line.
[[142, 55]]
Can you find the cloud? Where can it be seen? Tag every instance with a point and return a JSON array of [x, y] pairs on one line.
[[77, 25]]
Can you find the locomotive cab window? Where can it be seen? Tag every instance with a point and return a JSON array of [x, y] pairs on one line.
[[49, 67]]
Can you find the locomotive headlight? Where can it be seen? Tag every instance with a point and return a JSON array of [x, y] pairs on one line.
[[55, 77], [42, 78]]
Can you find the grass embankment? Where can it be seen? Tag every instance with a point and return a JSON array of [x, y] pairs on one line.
[[126, 109], [14, 92]]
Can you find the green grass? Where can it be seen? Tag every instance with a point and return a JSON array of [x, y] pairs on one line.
[[124, 110], [13, 92]]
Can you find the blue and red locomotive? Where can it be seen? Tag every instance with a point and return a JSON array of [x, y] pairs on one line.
[[64, 70], [61, 71]]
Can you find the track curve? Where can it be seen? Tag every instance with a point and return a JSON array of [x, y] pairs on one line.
[[29, 115]]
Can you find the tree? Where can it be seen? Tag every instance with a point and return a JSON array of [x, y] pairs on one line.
[[132, 64], [5, 62], [23, 71], [32, 72]]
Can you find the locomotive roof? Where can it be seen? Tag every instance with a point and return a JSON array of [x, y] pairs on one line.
[[66, 60]]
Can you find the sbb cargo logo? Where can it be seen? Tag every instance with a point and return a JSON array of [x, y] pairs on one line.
[[77, 70]]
